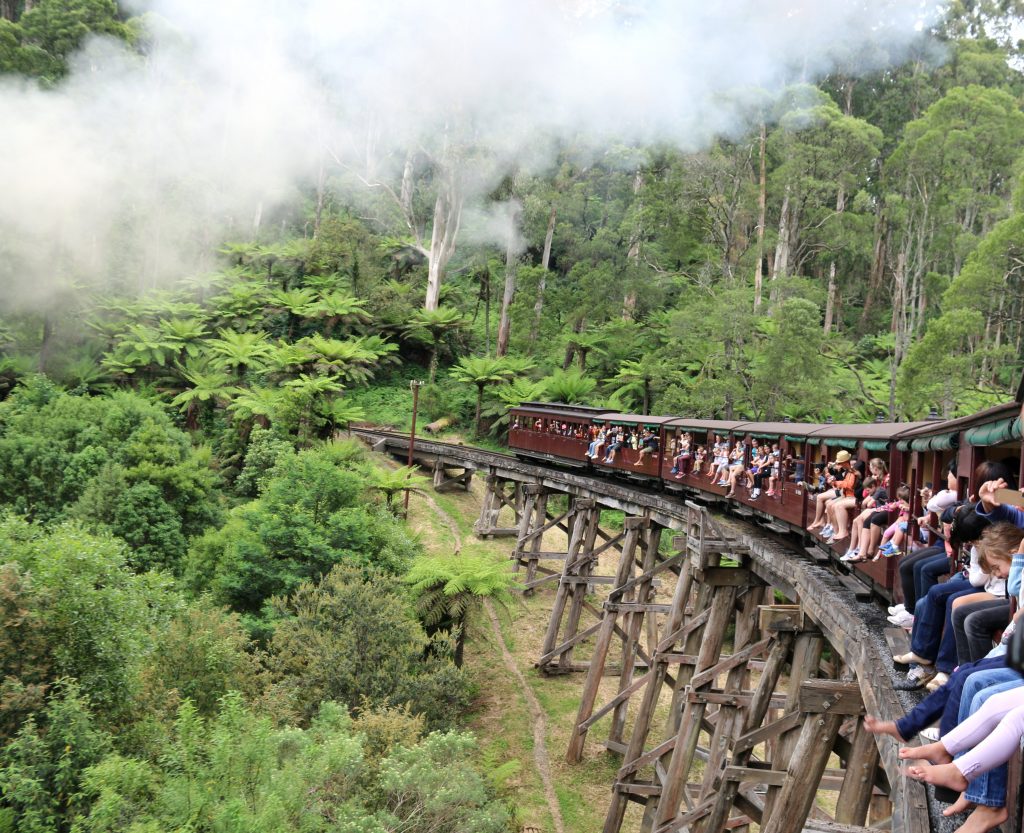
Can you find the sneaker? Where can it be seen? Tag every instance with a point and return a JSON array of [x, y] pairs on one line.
[[851, 555], [896, 609], [827, 531], [917, 677], [931, 733], [674, 471], [722, 483], [755, 494], [902, 619], [887, 549]]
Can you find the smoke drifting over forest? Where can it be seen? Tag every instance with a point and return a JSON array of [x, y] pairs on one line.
[[136, 164]]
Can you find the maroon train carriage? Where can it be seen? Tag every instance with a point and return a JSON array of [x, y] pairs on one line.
[[552, 431], [917, 453], [630, 461]]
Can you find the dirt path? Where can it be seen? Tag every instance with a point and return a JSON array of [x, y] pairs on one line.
[[452, 526], [540, 727], [539, 719]]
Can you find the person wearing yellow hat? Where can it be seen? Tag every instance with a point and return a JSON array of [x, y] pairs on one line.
[[834, 490]]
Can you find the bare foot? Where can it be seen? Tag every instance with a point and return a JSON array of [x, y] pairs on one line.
[[942, 775], [882, 727], [934, 753], [961, 805], [984, 819]]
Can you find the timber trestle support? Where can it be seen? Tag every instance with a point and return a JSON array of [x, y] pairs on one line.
[[728, 673]]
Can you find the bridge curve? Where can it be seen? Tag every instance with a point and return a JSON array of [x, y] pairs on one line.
[[726, 571]]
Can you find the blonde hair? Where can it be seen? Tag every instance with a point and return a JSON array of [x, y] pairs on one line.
[[998, 543]]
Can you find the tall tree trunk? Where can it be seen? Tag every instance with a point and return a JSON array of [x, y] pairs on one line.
[[46, 343], [780, 265], [321, 193], [505, 324], [570, 348], [8, 9], [830, 298], [405, 194], [447, 217], [647, 396], [633, 255], [833, 289], [877, 269], [762, 194], [899, 325], [545, 260], [479, 406]]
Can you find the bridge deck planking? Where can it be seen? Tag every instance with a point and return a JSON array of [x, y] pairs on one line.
[[823, 596]]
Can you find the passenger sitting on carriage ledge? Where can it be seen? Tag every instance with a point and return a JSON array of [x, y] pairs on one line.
[[618, 439], [681, 462], [649, 445], [841, 479]]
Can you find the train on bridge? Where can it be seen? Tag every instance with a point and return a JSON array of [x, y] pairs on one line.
[[917, 454]]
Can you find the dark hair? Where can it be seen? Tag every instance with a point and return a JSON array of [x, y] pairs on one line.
[[951, 467], [991, 470], [903, 492], [967, 526]]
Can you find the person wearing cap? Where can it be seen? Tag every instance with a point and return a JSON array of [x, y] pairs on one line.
[[837, 488]]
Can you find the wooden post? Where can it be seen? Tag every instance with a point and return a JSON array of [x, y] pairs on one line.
[[825, 704], [579, 596], [567, 589], [633, 527], [531, 498], [806, 659], [858, 784], [632, 627], [693, 713], [655, 680]]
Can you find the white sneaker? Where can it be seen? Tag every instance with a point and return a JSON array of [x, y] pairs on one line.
[[755, 494], [850, 555], [931, 733], [902, 619], [896, 609]]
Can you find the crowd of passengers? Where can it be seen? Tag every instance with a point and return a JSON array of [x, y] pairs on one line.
[[973, 714]]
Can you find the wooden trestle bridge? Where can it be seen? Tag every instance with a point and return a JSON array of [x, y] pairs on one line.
[[731, 708]]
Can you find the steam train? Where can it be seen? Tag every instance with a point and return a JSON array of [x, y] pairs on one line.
[[917, 454]]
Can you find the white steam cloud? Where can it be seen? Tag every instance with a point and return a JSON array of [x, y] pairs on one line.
[[135, 166]]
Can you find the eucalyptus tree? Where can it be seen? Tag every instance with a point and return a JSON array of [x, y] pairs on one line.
[[949, 181]]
